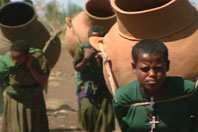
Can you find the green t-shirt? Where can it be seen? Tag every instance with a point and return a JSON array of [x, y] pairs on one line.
[[173, 116]]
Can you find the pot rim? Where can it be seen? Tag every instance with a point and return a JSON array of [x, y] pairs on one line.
[[96, 17], [121, 11], [22, 25]]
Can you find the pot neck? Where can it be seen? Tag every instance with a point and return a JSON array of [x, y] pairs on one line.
[[157, 22], [98, 12]]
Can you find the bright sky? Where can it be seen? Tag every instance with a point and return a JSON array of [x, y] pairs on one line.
[[194, 1], [79, 2]]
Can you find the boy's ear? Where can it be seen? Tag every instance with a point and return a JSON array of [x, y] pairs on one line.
[[133, 66]]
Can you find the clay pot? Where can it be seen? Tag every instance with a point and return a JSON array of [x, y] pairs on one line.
[[96, 12], [18, 21], [175, 22]]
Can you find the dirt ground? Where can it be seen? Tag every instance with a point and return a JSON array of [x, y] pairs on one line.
[[61, 99]]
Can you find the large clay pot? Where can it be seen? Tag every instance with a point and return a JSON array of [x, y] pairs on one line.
[[175, 22], [96, 12], [18, 21]]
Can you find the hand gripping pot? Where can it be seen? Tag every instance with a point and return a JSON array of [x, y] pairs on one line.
[[175, 22], [18, 21], [96, 12]]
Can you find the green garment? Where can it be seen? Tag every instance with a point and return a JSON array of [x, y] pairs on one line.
[[20, 75], [1, 93], [93, 70], [95, 108], [95, 114], [22, 117], [23, 89], [173, 116]]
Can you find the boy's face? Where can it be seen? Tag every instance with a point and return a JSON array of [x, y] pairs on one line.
[[17, 57], [151, 71]]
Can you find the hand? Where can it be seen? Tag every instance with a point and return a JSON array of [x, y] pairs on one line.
[[28, 61], [89, 52]]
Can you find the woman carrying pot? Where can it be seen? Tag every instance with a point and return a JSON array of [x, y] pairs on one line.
[[26, 70]]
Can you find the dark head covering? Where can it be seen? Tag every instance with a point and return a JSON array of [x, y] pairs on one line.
[[98, 29], [20, 46]]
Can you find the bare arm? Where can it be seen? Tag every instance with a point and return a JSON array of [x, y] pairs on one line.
[[40, 78], [88, 53]]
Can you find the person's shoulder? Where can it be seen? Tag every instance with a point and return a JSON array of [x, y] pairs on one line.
[[36, 52], [181, 85], [189, 86], [125, 93], [6, 59], [6, 55], [127, 87]]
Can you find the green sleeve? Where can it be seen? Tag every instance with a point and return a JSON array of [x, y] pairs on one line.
[[40, 63], [3, 70], [193, 99], [5, 66], [120, 112], [193, 104], [78, 56]]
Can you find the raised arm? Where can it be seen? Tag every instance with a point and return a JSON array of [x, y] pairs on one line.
[[40, 77], [88, 53]]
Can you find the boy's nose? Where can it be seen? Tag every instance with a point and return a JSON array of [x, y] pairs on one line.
[[152, 72]]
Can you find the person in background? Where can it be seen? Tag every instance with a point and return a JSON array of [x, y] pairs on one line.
[[95, 102], [156, 102], [26, 70]]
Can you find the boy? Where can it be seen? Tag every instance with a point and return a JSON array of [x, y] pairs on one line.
[[95, 101], [154, 102]]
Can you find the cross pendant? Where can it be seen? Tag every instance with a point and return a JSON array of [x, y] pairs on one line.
[[153, 123]]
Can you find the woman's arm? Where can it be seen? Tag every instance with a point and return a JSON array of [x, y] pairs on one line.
[[41, 78]]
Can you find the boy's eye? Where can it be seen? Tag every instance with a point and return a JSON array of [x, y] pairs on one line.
[[145, 69]]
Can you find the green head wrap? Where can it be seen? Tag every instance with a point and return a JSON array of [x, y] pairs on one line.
[[98, 29]]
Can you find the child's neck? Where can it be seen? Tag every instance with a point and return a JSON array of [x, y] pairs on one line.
[[159, 94]]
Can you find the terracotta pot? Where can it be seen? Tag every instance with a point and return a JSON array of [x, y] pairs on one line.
[[96, 12], [175, 22], [18, 21]]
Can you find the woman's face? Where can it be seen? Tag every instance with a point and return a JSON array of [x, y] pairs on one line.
[[17, 57], [151, 71]]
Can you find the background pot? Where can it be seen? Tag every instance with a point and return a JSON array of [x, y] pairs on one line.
[[18, 21], [96, 12]]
